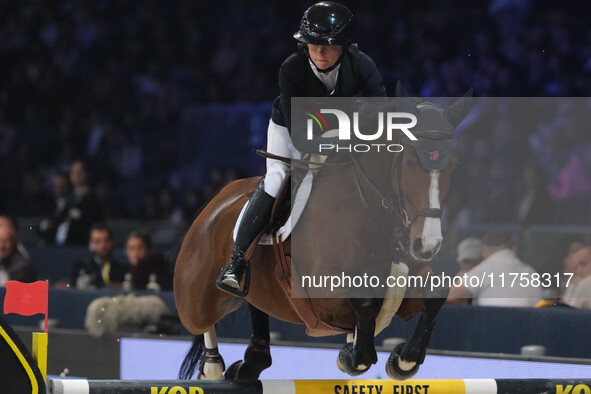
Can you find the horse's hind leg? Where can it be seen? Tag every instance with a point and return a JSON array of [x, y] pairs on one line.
[[355, 358], [204, 355], [405, 359], [257, 356], [211, 366]]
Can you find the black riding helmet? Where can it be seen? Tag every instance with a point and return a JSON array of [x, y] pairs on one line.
[[326, 23]]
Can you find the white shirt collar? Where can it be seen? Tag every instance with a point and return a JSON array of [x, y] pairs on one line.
[[329, 79]]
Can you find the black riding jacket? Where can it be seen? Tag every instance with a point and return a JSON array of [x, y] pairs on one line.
[[358, 74]]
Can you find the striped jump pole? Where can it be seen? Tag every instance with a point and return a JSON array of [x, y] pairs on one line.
[[418, 386]]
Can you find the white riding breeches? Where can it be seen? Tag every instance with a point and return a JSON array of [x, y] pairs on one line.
[[279, 143]]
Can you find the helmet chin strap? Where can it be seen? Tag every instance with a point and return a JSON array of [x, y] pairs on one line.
[[327, 70]]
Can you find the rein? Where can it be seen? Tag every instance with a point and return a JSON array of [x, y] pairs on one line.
[[387, 203], [299, 163]]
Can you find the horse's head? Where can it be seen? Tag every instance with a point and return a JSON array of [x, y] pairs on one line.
[[423, 171]]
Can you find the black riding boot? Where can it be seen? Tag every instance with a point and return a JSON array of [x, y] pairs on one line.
[[255, 218]]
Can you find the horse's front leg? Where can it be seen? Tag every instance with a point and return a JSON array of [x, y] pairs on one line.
[[257, 356], [405, 359], [356, 357]]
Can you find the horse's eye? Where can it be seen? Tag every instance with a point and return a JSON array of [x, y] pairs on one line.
[[410, 163]]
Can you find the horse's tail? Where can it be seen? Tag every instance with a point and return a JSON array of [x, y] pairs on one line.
[[191, 360]]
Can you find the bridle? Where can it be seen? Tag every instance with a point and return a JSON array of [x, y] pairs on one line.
[[398, 209]]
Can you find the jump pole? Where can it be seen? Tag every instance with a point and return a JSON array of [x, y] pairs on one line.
[[418, 386]]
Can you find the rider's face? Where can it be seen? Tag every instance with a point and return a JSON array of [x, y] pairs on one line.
[[324, 56]]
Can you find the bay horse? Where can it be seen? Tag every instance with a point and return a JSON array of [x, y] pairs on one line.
[[398, 197]]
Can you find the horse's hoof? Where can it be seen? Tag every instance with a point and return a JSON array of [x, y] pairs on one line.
[[211, 367], [393, 368], [232, 371], [345, 361], [212, 372]]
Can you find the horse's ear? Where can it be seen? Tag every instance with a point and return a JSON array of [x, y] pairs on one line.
[[456, 112], [403, 102]]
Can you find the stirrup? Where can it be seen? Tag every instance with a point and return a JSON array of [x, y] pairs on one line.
[[229, 289]]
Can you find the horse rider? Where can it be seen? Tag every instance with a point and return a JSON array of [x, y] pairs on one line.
[[326, 64]]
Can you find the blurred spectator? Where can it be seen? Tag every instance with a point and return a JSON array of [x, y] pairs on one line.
[[10, 222], [498, 259], [558, 260], [61, 191], [469, 256], [144, 263], [581, 295], [13, 265], [82, 210], [100, 269]]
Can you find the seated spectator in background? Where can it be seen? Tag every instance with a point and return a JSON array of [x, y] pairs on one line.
[[61, 191], [11, 223], [82, 210], [13, 265], [499, 258], [469, 256], [580, 297], [100, 269], [144, 263], [558, 260]]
